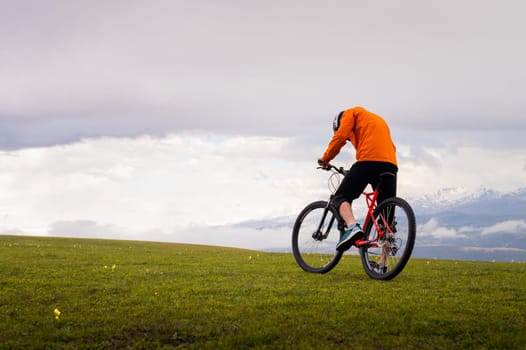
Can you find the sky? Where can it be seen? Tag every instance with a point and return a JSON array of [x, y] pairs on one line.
[[178, 120]]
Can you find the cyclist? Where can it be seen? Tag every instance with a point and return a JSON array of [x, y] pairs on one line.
[[375, 154]]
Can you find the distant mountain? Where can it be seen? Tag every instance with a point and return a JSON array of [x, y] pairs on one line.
[[481, 211], [451, 224], [487, 225], [267, 224]]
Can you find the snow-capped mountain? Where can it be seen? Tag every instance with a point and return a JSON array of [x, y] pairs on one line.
[[486, 225], [448, 197], [486, 207], [451, 224]]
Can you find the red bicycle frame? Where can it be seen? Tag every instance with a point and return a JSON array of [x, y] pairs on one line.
[[370, 199]]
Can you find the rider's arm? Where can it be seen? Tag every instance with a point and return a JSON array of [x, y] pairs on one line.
[[340, 137]]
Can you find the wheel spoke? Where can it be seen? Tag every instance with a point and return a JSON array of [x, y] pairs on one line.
[[314, 238], [395, 235]]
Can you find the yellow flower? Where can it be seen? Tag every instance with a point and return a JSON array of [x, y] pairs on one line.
[[57, 314], [113, 268]]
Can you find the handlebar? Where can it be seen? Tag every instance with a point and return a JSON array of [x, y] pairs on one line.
[[331, 167]]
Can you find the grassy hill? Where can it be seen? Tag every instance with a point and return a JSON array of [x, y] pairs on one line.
[[77, 293]]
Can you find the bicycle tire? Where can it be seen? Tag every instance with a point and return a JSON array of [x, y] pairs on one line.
[[316, 255], [387, 261]]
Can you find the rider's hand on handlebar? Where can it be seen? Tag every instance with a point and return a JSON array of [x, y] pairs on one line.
[[322, 163]]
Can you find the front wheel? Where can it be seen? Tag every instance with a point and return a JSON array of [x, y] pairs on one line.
[[314, 238], [392, 239]]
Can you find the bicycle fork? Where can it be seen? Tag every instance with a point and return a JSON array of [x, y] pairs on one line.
[[319, 235]]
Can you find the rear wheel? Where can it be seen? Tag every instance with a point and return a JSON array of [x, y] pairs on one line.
[[387, 257], [314, 238]]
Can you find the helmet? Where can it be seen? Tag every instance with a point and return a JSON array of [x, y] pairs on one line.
[[336, 122]]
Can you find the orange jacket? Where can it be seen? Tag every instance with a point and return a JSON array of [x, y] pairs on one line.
[[369, 134]]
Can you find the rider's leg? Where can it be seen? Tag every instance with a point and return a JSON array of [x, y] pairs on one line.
[[347, 214], [389, 182], [388, 187], [353, 231], [351, 187]]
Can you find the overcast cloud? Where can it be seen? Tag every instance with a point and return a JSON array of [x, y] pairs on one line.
[[148, 116], [73, 69]]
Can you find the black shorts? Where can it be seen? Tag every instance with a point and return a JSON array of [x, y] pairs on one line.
[[360, 175]]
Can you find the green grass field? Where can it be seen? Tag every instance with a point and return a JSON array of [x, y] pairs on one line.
[[143, 295]]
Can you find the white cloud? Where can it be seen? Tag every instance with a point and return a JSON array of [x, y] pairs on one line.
[[89, 229], [264, 239], [510, 227], [153, 183], [433, 229], [465, 168], [278, 238], [493, 250], [155, 188]]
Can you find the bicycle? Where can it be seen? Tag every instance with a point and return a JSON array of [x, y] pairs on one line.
[[386, 247]]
